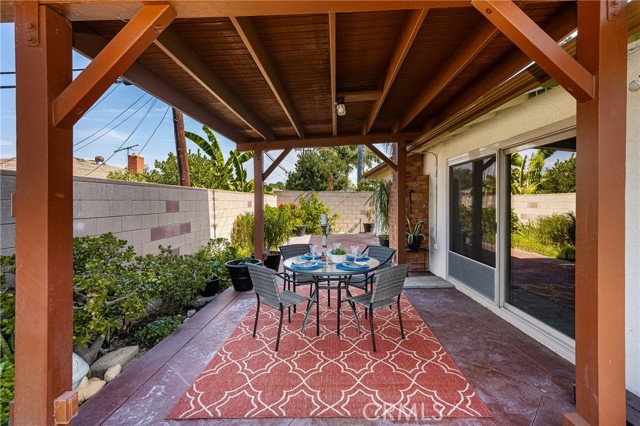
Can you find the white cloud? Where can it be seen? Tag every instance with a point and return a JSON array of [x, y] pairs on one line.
[[6, 142]]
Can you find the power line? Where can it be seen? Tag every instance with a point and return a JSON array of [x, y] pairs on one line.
[[13, 72], [128, 137], [279, 165], [154, 130], [113, 89], [114, 127]]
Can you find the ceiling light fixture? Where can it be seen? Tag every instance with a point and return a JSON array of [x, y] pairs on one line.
[[634, 86], [341, 109]]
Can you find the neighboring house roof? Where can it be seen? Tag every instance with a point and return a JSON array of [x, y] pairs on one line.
[[81, 167]]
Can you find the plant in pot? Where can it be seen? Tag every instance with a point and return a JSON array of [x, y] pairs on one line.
[[299, 228], [242, 239], [381, 198], [216, 253], [338, 255], [239, 273], [277, 228], [414, 234], [370, 213]]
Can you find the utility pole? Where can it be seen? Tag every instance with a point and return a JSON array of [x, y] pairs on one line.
[[360, 161], [181, 148]]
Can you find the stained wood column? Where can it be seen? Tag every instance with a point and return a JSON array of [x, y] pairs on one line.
[[400, 177], [44, 216], [600, 204], [258, 204]]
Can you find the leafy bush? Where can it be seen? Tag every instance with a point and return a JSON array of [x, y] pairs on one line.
[[242, 232], [553, 236], [216, 253], [153, 333], [7, 339], [279, 222], [310, 210], [7, 383], [381, 199]]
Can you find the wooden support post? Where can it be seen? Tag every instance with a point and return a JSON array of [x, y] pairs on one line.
[[600, 214], [258, 204], [44, 217], [400, 178], [181, 148]]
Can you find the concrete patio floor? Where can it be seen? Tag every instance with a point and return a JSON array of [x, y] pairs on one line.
[[521, 381]]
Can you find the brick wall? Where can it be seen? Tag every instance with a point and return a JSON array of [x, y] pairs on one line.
[[417, 209], [351, 206]]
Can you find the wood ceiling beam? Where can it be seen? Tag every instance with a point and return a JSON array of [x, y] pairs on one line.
[[90, 46], [275, 163], [381, 156], [558, 27], [404, 41], [468, 49], [325, 142], [189, 9], [184, 56], [538, 46], [123, 50], [249, 35], [364, 96], [332, 67]]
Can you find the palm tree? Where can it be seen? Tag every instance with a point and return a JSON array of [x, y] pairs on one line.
[[526, 173]]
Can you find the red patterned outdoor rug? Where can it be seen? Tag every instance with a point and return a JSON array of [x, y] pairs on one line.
[[330, 375]]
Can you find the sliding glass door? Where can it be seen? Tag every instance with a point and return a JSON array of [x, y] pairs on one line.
[[541, 232]]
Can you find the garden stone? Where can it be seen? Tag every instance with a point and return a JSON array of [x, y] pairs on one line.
[[201, 301], [190, 313], [112, 373], [88, 388], [80, 369], [120, 356]]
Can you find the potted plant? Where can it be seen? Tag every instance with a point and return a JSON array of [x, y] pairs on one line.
[[214, 254], [299, 228], [414, 234], [239, 273], [338, 255], [277, 228], [370, 213], [381, 198]]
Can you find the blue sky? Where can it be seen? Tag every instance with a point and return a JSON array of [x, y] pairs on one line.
[[89, 140]]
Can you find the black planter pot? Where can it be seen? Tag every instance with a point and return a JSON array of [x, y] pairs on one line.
[[384, 240], [239, 273], [300, 230], [415, 245], [273, 261], [213, 285], [368, 227]]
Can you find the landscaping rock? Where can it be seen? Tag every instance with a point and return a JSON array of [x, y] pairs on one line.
[[89, 387], [190, 313], [112, 373], [120, 356], [201, 301]]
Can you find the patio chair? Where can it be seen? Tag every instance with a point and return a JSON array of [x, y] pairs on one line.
[[293, 280], [267, 292], [388, 285], [384, 255]]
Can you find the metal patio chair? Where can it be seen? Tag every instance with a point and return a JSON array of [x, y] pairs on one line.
[[387, 290], [293, 280], [267, 292]]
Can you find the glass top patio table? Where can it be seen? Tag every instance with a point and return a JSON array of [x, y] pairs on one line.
[[323, 278]]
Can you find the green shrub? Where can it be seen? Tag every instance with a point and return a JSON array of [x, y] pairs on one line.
[[7, 338], [242, 232], [216, 253], [153, 333], [310, 210], [552, 236], [7, 383]]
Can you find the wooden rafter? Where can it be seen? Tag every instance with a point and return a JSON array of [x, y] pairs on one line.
[[558, 27], [404, 41], [182, 54], [364, 96], [275, 163], [332, 66], [468, 49], [541, 48], [381, 156], [324, 142], [249, 35], [189, 9], [90, 45], [123, 50]]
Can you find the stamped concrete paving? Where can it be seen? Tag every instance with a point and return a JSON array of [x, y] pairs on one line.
[[521, 381]]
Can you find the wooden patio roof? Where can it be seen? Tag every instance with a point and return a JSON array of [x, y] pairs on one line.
[[263, 78]]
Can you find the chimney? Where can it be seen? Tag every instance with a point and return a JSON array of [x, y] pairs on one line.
[[135, 163]]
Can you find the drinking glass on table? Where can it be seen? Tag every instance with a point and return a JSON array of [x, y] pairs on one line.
[[355, 250], [312, 248]]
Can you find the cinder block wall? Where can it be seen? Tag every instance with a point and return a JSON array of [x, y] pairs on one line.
[[351, 206], [535, 206], [224, 206], [7, 223]]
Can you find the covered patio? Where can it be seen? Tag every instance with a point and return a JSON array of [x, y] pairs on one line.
[[521, 381], [269, 75]]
